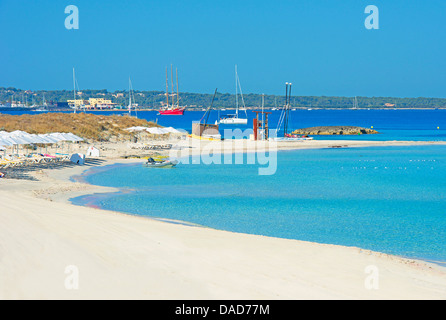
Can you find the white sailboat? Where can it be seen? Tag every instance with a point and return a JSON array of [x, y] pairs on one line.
[[44, 106], [234, 118], [355, 104], [82, 106], [131, 105]]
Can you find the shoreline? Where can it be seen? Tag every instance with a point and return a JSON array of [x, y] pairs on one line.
[[54, 189]]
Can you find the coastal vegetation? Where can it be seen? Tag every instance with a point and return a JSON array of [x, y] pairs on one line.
[[154, 99], [88, 126]]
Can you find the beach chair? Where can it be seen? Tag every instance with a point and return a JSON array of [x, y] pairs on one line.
[[49, 158], [62, 157], [13, 163]]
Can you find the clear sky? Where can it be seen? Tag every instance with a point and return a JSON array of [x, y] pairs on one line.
[[321, 46]]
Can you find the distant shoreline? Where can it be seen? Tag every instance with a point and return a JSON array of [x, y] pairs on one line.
[[227, 109]]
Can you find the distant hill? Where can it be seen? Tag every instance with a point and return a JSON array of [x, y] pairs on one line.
[[153, 99]]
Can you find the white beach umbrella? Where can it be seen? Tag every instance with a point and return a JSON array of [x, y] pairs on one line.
[[18, 132], [25, 137], [57, 135], [60, 137], [5, 141], [73, 137], [18, 140], [45, 139], [40, 140], [65, 137], [49, 138]]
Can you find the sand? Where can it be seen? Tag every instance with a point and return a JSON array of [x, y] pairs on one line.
[[51, 249]]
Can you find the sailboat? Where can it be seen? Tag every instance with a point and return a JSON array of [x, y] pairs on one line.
[[44, 106], [130, 100], [81, 105], [355, 104], [234, 118], [173, 109]]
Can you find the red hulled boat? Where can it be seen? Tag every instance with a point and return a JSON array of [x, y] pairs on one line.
[[173, 108], [175, 111]]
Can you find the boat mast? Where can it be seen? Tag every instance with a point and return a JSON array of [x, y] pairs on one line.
[[287, 104], [178, 94], [236, 92], [208, 111], [130, 98], [167, 90], [285, 113], [171, 81], [263, 114], [74, 90]]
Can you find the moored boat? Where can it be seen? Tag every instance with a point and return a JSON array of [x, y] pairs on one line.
[[174, 108], [234, 118], [179, 111], [160, 164]]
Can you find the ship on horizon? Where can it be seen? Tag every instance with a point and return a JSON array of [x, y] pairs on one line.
[[173, 108]]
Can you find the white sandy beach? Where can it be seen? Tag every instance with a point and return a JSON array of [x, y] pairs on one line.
[[43, 238]]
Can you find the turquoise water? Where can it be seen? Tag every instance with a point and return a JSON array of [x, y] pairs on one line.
[[386, 199]]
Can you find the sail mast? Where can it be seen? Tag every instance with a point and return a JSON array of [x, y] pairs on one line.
[[287, 97], [171, 81], [236, 92], [74, 90], [286, 101], [263, 114], [130, 98], [167, 90], [288, 106], [178, 94]]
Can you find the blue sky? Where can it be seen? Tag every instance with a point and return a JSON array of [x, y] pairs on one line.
[[322, 47]]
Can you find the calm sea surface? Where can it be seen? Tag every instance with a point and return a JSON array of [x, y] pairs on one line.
[[387, 199], [392, 124]]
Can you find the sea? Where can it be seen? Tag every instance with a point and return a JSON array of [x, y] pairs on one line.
[[416, 125], [385, 199]]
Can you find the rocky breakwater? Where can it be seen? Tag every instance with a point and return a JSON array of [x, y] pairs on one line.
[[334, 130]]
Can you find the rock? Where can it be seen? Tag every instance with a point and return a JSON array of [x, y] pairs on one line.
[[334, 130]]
